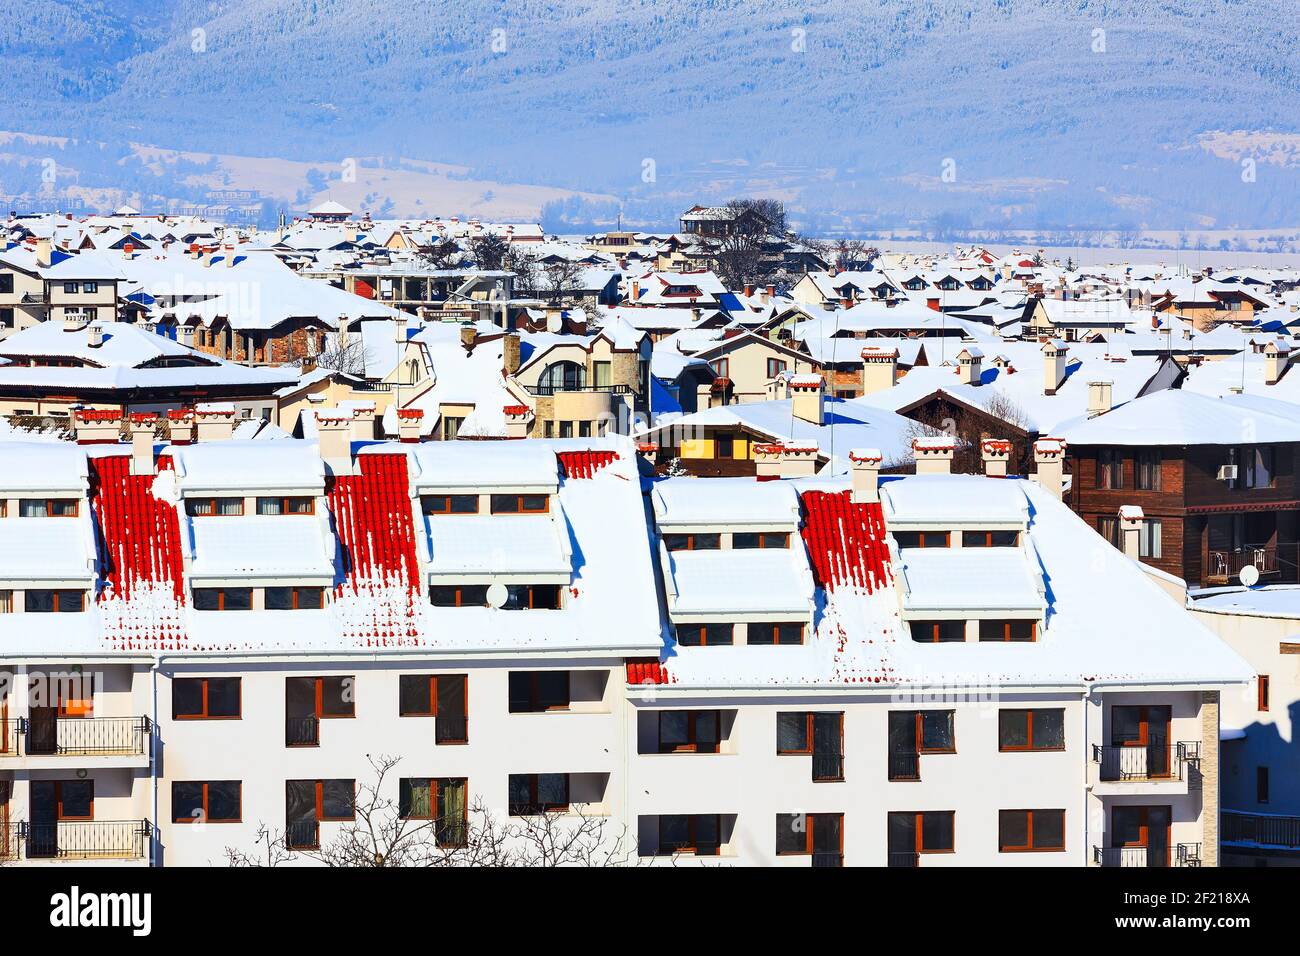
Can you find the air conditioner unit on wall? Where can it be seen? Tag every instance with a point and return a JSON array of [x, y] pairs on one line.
[[1227, 472]]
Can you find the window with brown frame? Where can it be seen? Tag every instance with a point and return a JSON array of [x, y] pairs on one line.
[[440, 696], [294, 598], [223, 599], [41, 601], [811, 834], [990, 539], [206, 698], [745, 541], [1110, 469], [291, 505], [696, 833], [449, 504], [63, 799], [938, 632], [207, 801], [534, 793], [458, 595], [214, 507], [309, 700], [1031, 831], [520, 504], [689, 731], [440, 799], [775, 367], [1261, 686], [1146, 469], [816, 733], [724, 446], [48, 507], [713, 634], [693, 542], [923, 539], [533, 692], [911, 834], [774, 632], [308, 803], [1031, 730], [75, 695], [524, 597], [1009, 631], [6, 602]]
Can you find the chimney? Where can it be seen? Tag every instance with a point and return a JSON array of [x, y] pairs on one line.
[[181, 422], [879, 369], [98, 426], [229, 252], [75, 323], [44, 251], [1049, 460], [468, 336], [185, 335], [95, 336], [510, 353], [769, 294], [1055, 355], [932, 305], [995, 452], [807, 395], [782, 460], [636, 290], [970, 362], [142, 425], [1099, 398], [749, 292], [1277, 357], [865, 464], [334, 432], [128, 250], [933, 454], [214, 421], [649, 451], [408, 424], [1130, 526], [363, 422], [518, 418]]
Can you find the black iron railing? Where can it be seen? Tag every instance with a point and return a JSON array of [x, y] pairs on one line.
[[302, 835], [85, 840], [1259, 828], [82, 736], [904, 765], [1178, 855], [827, 767], [904, 858], [302, 731], [1163, 761], [450, 730], [558, 389], [820, 859]]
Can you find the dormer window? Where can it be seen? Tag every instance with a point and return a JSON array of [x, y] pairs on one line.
[[214, 507], [780, 632], [48, 508], [938, 632], [990, 539], [693, 542], [449, 504], [1014, 631], [705, 635], [760, 539], [520, 504], [293, 505], [923, 539]]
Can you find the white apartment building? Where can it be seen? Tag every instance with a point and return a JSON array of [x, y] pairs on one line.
[[209, 640]]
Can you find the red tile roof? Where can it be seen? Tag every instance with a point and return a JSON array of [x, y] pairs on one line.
[[647, 672], [584, 464], [845, 541]]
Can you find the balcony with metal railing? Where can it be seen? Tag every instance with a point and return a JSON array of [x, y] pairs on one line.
[[1260, 830], [1276, 563], [83, 840], [39, 740], [1167, 765], [302, 731], [450, 729], [1177, 855]]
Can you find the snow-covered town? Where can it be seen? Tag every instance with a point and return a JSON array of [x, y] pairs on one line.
[[650, 539]]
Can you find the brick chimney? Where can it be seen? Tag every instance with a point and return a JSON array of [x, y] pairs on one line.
[[518, 418], [98, 426], [142, 426], [408, 424], [970, 361], [215, 421], [865, 464], [1049, 461], [468, 336], [1099, 398], [782, 460], [181, 422], [995, 453], [1055, 356], [933, 454], [1130, 527], [808, 398], [510, 353], [879, 369]]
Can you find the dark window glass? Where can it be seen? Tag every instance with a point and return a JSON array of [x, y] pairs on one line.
[[337, 799], [760, 539], [450, 504], [937, 730], [1031, 730], [206, 599], [776, 633], [224, 802], [77, 798], [187, 697], [337, 696], [792, 734], [534, 691], [415, 697], [936, 832], [698, 635], [693, 542], [938, 632], [187, 801], [223, 696], [990, 539], [791, 833]]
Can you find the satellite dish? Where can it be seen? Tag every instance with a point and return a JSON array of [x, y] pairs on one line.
[[1249, 576], [497, 595]]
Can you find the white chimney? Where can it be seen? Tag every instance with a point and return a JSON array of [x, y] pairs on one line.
[[995, 453], [933, 454], [95, 335], [181, 423], [1049, 461], [1277, 357], [185, 335], [879, 369], [1130, 525], [970, 365], [808, 398], [44, 252], [408, 424], [98, 426], [865, 464], [215, 421], [781, 460], [1055, 355], [334, 431], [142, 427], [1099, 398], [518, 418], [363, 422]]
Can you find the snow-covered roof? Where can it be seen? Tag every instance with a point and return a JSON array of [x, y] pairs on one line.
[[725, 501], [1178, 417], [248, 466]]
